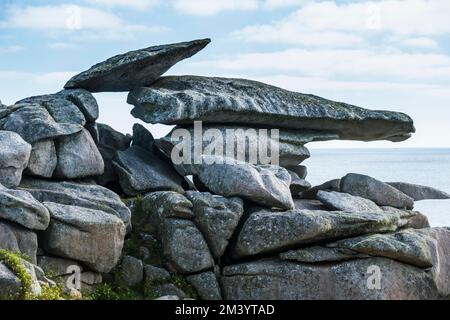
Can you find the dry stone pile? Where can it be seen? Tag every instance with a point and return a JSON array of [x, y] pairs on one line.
[[228, 227]]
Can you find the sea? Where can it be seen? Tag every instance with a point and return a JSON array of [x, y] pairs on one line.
[[429, 167]]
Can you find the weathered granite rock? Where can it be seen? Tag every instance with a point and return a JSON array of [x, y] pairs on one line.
[[43, 159], [298, 185], [185, 247], [264, 185], [169, 289], [332, 185], [217, 218], [131, 271], [14, 157], [57, 266], [34, 123], [305, 204], [141, 171], [93, 237], [143, 138], [379, 192], [20, 207], [270, 231], [345, 202], [85, 102], [92, 128], [10, 284], [183, 99], [83, 195], [17, 239], [416, 220], [418, 192], [301, 171], [78, 157], [136, 68], [320, 254], [154, 275], [206, 285], [415, 247], [349, 280]]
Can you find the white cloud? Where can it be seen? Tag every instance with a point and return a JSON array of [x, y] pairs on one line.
[[212, 7], [132, 4], [420, 42], [11, 49], [53, 78], [275, 4]]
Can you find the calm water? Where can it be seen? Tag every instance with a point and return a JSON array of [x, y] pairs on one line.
[[421, 166]]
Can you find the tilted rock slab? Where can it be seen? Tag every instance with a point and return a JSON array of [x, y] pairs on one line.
[[180, 100], [91, 236], [14, 156], [418, 192], [18, 239], [136, 68], [345, 202]]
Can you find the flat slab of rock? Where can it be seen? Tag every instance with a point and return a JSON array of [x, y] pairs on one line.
[[305, 204], [93, 237], [345, 202], [185, 247], [217, 218], [418, 192], [270, 231], [17, 239], [180, 100], [379, 192], [43, 159], [90, 196], [14, 156], [141, 171], [320, 254], [311, 194], [136, 68]]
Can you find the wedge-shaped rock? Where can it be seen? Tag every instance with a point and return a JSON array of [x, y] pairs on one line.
[[183, 99], [17, 239], [136, 68], [217, 218], [418, 192], [185, 247], [20, 207], [43, 159], [265, 185], [14, 157], [379, 192], [93, 237], [34, 123], [271, 231], [415, 247], [141, 171], [346, 202], [83, 195]]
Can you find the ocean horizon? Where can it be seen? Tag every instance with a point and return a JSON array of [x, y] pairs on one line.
[[424, 166]]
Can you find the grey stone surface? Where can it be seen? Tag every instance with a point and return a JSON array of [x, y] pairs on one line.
[[185, 247], [379, 192], [206, 285], [305, 204], [271, 231], [345, 202], [143, 138], [298, 185], [169, 289], [418, 192], [43, 159], [183, 99], [84, 195], [10, 285], [141, 171], [14, 157], [319, 254], [78, 157], [154, 274], [85, 102], [57, 266], [217, 218], [17, 239], [332, 185], [20, 207], [90, 236], [131, 271], [136, 68], [301, 171]]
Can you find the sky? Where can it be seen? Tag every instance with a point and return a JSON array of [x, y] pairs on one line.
[[385, 55]]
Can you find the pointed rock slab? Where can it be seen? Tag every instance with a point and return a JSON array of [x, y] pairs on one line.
[[379, 192], [17, 239], [83, 195], [78, 157], [43, 159], [185, 247], [20, 207], [271, 231], [180, 100], [415, 247], [14, 157], [217, 218], [264, 185], [136, 68], [346, 202], [34, 123], [93, 237], [320, 254], [141, 171], [418, 192]]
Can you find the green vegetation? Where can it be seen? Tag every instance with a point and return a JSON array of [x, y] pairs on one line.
[[14, 262]]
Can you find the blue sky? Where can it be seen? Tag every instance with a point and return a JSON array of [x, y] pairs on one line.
[[386, 54]]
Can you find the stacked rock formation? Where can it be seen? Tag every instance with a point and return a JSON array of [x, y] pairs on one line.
[[233, 228]]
